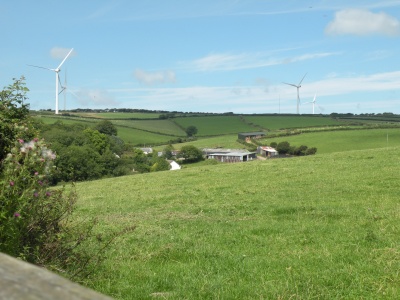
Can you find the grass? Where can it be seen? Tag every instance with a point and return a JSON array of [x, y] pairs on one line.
[[216, 125], [119, 115], [156, 126], [324, 226], [345, 140], [140, 137], [278, 122]]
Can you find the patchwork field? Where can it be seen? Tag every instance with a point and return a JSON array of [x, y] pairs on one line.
[[216, 125], [278, 122], [324, 227], [344, 140]]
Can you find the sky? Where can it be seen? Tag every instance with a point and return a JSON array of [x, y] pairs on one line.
[[206, 56]]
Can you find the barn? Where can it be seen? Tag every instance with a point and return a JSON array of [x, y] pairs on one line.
[[267, 151], [230, 156], [247, 136]]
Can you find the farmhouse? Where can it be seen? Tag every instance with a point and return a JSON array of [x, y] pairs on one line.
[[229, 156], [267, 151], [174, 165], [147, 150], [247, 136]]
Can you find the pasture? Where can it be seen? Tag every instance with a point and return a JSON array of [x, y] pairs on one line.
[[216, 125], [156, 126], [344, 140], [279, 122], [119, 115], [323, 227]]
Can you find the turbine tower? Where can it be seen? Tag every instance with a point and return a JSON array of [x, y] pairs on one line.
[[313, 102], [298, 86], [57, 70]]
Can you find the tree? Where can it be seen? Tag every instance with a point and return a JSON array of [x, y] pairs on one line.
[[14, 116], [167, 152], [283, 147], [106, 127], [35, 220], [190, 154], [160, 164], [191, 130], [273, 145], [99, 140], [311, 151]]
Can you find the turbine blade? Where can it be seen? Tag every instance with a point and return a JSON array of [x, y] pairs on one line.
[[42, 68], [302, 79], [58, 68], [73, 93], [59, 81], [290, 84]]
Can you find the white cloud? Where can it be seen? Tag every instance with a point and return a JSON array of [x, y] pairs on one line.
[[347, 92], [60, 53], [363, 22], [152, 78], [95, 97], [229, 62]]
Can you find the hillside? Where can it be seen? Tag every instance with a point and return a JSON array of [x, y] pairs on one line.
[[323, 226], [140, 129]]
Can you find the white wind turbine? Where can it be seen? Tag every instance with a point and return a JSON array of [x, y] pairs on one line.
[[298, 86], [65, 89], [313, 102], [57, 70]]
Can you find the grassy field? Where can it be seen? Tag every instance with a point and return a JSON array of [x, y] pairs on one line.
[[159, 126], [278, 122], [345, 140], [221, 131], [119, 115], [318, 227], [130, 131], [142, 138], [216, 125]]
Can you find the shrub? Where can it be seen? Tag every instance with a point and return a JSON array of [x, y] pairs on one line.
[[311, 151], [35, 220], [283, 147], [190, 154]]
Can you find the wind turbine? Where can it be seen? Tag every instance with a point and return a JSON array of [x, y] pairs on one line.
[[313, 102], [65, 89], [298, 86], [57, 70]]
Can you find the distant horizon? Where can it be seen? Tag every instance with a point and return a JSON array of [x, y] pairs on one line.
[[157, 111]]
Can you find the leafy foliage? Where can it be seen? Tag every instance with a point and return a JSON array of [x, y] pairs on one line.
[[190, 154], [14, 113], [35, 220], [106, 127], [191, 130], [285, 148]]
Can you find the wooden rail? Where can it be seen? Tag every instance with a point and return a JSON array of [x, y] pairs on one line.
[[21, 280]]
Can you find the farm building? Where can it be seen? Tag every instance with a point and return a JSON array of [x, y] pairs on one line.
[[267, 151], [246, 136], [230, 156], [174, 165], [147, 150]]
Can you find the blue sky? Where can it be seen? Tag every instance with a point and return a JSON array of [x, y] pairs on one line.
[[206, 56]]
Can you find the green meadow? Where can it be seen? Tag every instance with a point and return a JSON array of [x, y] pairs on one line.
[[119, 115], [316, 227], [344, 140], [156, 126], [216, 125], [278, 122]]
